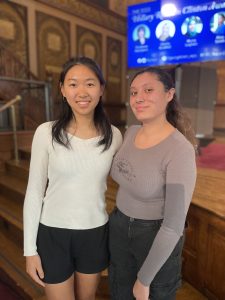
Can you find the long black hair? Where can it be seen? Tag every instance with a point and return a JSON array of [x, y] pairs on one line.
[[175, 114], [101, 121]]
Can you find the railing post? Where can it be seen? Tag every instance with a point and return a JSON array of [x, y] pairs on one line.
[[13, 116], [47, 102]]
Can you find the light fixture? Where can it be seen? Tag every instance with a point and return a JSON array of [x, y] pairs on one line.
[[168, 10]]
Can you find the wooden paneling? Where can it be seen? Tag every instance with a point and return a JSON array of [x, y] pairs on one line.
[[114, 71], [219, 111], [117, 113], [53, 39], [13, 29], [91, 13], [215, 279], [89, 43], [204, 251], [199, 100], [219, 116], [221, 80], [6, 144]]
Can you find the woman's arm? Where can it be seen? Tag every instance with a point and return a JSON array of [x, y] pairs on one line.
[[38, 175], [180, 182]]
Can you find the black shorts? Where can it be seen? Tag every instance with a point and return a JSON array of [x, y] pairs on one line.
[[64, 251]]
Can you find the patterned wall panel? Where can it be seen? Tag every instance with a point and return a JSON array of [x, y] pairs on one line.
[[90, 13], [114, 62], [53, 37], [53, 40], [89, 43], [13, 29], [115, 109], [120, 6]]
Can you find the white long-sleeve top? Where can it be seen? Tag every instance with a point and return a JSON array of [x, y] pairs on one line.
[[75, 196]]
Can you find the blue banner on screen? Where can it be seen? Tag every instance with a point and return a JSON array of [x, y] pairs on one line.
[[175, 32]]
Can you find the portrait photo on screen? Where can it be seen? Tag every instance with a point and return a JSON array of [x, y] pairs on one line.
[[141, 34], [192, 26], [165, 30], [217, 23]]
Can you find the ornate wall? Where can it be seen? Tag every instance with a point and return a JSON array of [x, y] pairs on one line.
[[120, 6], [91, 13], [89, 43], [53, 40], [43, 34], [114, 63], [13, 29]]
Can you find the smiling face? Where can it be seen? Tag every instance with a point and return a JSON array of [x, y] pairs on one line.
[[82, 89], [166, 29], [192, 26], [221, 19], [148, 98], [141, 33]]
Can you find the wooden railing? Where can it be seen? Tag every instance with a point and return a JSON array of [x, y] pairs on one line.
[[16, 78], [10, 103]]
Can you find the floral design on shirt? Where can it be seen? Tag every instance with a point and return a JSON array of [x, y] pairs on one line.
[[125, 169]]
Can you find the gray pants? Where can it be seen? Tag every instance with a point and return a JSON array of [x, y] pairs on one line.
[[130, 241]]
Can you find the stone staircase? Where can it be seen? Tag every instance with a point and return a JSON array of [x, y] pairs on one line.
[[13, 182], [12, 263]]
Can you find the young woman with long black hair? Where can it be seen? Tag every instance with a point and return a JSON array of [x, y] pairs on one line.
[[65, 221]]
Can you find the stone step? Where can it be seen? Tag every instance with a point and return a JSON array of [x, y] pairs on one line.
[[11, 219], [12, 271], [12, 187], [12, 212], [19, 169], [12, 268], [12, 263], [24, 153]]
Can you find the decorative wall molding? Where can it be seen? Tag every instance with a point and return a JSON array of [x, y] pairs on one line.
[[119, 6], [53, 40], [114, 70], [13, 29], [92, 14], [89, 43]]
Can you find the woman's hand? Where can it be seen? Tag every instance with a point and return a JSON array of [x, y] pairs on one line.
[[34, 268], [140, 291]]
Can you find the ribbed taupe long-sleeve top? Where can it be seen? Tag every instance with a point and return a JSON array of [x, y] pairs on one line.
[[156, 183]]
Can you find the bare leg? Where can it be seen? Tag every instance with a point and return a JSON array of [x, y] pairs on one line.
[[86, 285], [61, 291]]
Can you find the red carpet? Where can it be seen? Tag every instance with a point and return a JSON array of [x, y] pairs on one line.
[[212, 157], [6, 293]]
